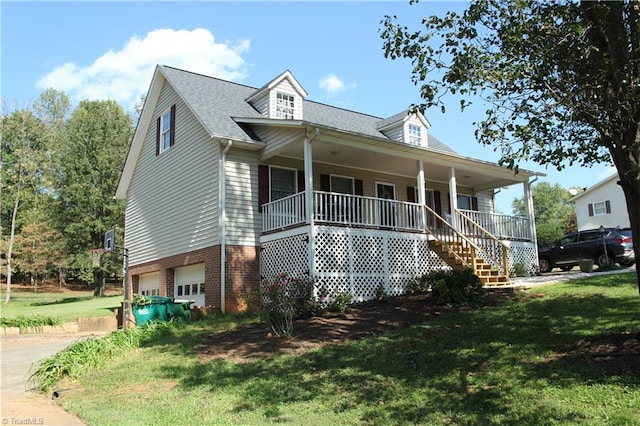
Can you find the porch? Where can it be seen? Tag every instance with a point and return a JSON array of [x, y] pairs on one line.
[[354, 243]]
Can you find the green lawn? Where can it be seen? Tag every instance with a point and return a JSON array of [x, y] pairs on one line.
[[484, 367], [68, 306]]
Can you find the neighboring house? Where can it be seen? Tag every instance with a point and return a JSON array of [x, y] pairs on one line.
[[602, 204], [227, 184]]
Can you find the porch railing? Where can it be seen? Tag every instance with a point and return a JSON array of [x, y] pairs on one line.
[[489, 247], [283, 213], [343, 209], [503, 226], [367, 211]]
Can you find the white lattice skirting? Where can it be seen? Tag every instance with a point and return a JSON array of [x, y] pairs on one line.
[[352, 260]]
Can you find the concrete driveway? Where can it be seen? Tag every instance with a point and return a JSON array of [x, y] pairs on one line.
[[21, 405]]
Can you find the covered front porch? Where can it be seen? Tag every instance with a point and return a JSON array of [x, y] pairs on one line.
[[409, 210]]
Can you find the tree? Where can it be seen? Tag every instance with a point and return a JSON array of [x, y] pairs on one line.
[[88, 164], [23, 146], [561, 80], [554, 215], [36, 249]]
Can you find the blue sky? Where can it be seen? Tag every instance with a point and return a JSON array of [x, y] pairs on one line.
[[100, 50]]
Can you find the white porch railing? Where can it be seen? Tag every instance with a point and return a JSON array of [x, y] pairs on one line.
[[502, 226], [367, 211], [355, 210], [283, 213]]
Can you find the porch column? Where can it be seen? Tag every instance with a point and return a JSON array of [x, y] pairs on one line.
[[528, 196], [308, 200], [453, 197], [421, 195]]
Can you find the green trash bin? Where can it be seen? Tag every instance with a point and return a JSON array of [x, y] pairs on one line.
[[144, 313], [162, 307], [181, 309]]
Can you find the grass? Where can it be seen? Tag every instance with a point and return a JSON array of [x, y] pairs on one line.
[[488, 366], [64, 306]]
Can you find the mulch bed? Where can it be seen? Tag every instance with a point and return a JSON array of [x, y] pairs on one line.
[[616, 353]]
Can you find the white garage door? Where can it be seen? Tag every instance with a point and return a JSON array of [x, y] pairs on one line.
[[189, 284], [149, 284]]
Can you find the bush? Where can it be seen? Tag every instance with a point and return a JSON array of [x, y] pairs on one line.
[[519, 270], [454, 287], [417, 285], [285, 298], [339, 301]]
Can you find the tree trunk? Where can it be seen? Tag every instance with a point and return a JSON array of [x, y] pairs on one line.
[[99, 282], [631, 188]]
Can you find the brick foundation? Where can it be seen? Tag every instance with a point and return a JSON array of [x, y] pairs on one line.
[[242, 274]]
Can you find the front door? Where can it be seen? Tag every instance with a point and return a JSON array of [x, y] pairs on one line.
[[386, 206]]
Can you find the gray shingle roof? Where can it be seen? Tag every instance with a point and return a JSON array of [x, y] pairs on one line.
[[216, 102]]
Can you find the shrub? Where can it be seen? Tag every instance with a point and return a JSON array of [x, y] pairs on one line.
[[339, 301], [454, 287], [417, 285], [381, 294], [285, 298], [519, 270]]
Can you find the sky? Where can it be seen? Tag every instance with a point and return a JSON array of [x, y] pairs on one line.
[[108, 50]]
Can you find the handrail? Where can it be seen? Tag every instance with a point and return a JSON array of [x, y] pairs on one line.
[[485, 252], [448, 230]]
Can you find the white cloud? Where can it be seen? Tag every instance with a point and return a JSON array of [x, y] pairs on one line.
[[124, 75], [333, 85]]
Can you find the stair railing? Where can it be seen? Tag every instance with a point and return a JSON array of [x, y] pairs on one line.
[[490, 248], [450, 238]]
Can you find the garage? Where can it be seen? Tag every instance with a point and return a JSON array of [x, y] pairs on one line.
[[149, 284], [189, 284]]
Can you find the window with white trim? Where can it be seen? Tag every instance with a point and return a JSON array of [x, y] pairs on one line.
[[599, 208], [165, 131], [284, 106], [415, 135], [284, 182]]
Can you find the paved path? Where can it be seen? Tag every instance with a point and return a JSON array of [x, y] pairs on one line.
[[21, 405]]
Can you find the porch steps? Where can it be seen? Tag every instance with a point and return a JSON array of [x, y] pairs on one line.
[[457, 255]]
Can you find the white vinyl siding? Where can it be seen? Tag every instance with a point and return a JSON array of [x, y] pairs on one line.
[[172, 202], [243, 220]]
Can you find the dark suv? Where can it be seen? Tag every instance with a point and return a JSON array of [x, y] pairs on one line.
[[588, 244]]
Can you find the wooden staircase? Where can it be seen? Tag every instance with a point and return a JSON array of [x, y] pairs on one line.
[[460, 252], [459, 256]]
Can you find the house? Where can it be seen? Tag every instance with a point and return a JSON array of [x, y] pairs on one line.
[[603, 204], [226, 184]]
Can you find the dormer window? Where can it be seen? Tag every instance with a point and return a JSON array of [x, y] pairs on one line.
[[284, 106], [415, 135]]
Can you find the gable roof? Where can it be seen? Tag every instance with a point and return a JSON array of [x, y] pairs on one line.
[[606, 181], [222, 109], [273, 83]]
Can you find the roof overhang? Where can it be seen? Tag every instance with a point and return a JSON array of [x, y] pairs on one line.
[[382, 155]]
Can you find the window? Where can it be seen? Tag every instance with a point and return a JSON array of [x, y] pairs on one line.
[[283, 183], [415, 135], [599, 208], [165, 130], [342, 185], [284, 106], [464, 202]]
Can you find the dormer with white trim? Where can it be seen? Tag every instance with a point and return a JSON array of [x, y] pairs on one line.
[[280, 99], [408, 127]]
